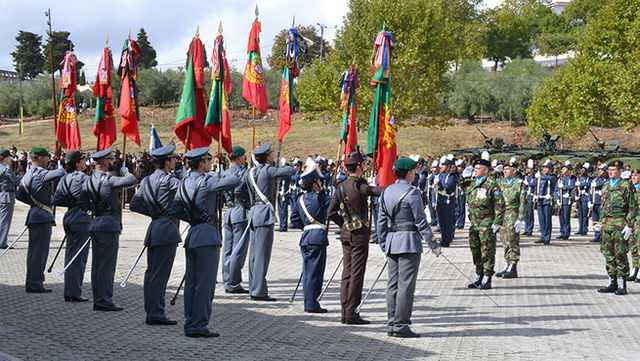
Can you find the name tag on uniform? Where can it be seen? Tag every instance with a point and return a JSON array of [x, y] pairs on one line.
[[482, 194]]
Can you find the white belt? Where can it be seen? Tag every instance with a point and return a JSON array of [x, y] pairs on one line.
[[315, 226], [566, 195]]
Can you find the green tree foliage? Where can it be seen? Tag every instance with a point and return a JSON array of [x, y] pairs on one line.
[[27, 58], [10, 95], [157, 87], [147, 58], [312, 44], [600, 86], [37, 96], [82, 79], [61, 43]]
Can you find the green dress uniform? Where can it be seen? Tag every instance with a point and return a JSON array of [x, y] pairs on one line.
[[635, 236], [515, 200]]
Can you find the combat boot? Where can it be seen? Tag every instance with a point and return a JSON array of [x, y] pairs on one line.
[[486, 283], [512, 271], [506, 268], [622, 286], [611, 287], [476, 283], [633, 275]]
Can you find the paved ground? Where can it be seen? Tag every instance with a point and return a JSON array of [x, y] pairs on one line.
[[551, 312]]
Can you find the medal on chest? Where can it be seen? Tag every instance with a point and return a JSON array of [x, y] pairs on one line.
[[481, 193]]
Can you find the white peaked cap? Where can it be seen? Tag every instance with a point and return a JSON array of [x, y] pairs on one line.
[[330, 162], [566, 162], [309, 162], [318, 158], [603, 166], [626, 174], [443, 158], [586, 165], [414, 157], [450, 156], [459, 162], [434, 163], [494, 162], [512, 160], [530, 163], [548, 161], [283, 161], [485, 155], [296, 159]]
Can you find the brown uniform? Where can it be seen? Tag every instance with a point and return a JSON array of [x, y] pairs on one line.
[[355, 244]]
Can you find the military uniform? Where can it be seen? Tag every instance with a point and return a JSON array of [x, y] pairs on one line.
[[293, 194], [100, 194], [284, 185], [583, 197], [635, 236], [261, 182], [196, 203], [431, 194], [596, 202], [349, 205], [447, 186], [155, 198], [564, 199], [619, 213], [8, 184], [402, 226], [545, 190], [76, 223], [530, 183], [515, 199], [35, 190]]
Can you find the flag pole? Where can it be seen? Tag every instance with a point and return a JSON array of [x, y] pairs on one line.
[[53, 82], [253, 129], [124, 164]]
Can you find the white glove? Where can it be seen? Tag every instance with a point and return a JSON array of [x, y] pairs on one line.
[[495, 228], [538, 175], [626, 232], [434, 204], [597, 227], [436, 180], [467, 172], [590, 204], [560, 185], [547, 196], [59, 165], [499, 168], [593, 183], [519, 225], [124, 170], [434, 247], [578, 183]]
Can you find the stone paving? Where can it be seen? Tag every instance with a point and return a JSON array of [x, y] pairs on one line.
[[551, 312]]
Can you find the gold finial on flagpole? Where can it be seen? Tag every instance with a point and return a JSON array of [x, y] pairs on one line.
[[220, 27], [198, 31]]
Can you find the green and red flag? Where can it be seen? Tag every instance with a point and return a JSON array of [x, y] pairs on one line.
[[218, 123], [104, 127], [381, 137], [128, 72], [349, 106], [193, 108], [289, 73], [254, 89], [68, 130]]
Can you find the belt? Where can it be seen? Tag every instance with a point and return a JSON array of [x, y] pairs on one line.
[[315, 226], [258, 202], [404, 227]]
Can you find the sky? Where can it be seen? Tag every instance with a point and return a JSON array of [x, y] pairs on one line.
[[170, 25]]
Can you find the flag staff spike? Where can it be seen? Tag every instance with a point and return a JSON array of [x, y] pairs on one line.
[[129, 37], [197, 31], [384, 25], [256, 11], [106, 40], [353, 62], [220, 27], [293, 23]]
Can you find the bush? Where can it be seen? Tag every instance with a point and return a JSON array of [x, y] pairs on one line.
[[37, 96]]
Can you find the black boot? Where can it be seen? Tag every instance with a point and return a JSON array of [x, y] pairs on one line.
[[506, 268], [622, 286], [633, 275], [486, 283], [512, 271], [476, 283], [611, 287]]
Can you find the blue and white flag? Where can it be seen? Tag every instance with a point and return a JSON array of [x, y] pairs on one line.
[[154, 141]]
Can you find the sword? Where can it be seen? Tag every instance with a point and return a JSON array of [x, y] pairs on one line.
[[57, 253], [469, 279], [14, 242], [372, 285], [61, 273], [173, 300], [297, 286], [330, 279]]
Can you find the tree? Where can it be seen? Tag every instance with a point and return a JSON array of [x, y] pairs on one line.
[[28, 59], [147, 58], [311, 44], [61, 44], [82, 79]]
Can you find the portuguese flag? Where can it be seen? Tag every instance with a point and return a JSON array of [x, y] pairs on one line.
[[381, 137], [254, 89], [67, 130], [129, 111], [218, 123], [193, 109], [104, 127], [349, 105]]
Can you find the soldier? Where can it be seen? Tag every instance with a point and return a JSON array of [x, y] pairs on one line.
[[154, 198], [486, 211], [545, 189], [619, 213], [515, 199], [431, 192], [564, 199], [596, 198], [349, 210], [8, 184], [583, 197], [35, 190], [196, 203], [261, 182], [294, 191], [312, 213], [635, 236], [100, 195], [236, 235], [76, 223], [401, 227], [461, 199], [446, 184], [530, 183], [284, 184]]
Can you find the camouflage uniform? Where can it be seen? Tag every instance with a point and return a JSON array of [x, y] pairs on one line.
[[485, 205], [635, 237], [619, 209], [515, 199]]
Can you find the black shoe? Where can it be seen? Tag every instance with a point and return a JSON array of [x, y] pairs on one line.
[[5, 246], [539, 241], [107, 309], [633, 275], [445, 245], [475, 283], [343, 320], [405, 334], [546, 243], [560, 237], [282, 229], [499, 274], [240, 291], [511, 272], [319, 310], [204, 334], [622, 286], [527, 234], [164, 321], [390, 333], [265, 298], [486, 283], [75, 299], [356, 321], [611, 287], [39, 290], [595, 240]]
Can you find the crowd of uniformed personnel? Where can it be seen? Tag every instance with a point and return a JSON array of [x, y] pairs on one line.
[[499, 198]]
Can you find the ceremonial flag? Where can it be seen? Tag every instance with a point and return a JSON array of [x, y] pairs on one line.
[[349, 105], [68, 131], [104, 127], [254, 89], [289, 73], [218, 123], [192, 110], [128, 71], [154, 139], [381, 137]]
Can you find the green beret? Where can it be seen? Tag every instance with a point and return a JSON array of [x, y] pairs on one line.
[[616, 163], [237, 151], [40, 151], [404, 164]]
